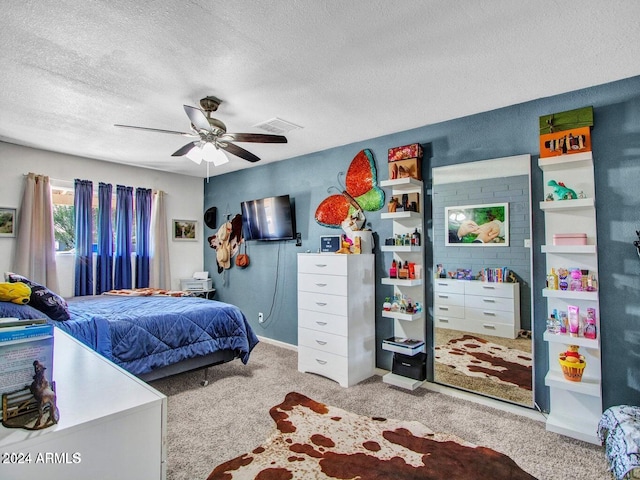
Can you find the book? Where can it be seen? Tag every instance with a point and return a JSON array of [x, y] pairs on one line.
[[21, 332], [19, 322], [17, 358]]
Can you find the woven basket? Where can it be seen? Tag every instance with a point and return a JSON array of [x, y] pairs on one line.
[[572, 371]]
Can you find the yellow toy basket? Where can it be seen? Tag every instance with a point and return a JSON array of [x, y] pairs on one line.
[[572, 370]]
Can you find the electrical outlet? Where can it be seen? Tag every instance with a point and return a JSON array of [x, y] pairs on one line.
[[260, 317]]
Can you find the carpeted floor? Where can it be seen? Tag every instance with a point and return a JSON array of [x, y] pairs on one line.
[[212, 424]]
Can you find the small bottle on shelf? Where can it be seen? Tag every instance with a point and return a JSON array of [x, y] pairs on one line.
[[393, 271], [590, 324], [552, 280], [415, 238], [551, 324]]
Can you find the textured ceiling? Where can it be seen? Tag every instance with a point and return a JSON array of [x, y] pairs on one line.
[[344, 70]]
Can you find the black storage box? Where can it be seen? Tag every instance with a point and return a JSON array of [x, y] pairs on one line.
[[411, 366]]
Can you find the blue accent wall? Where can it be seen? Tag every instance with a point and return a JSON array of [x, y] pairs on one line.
[[269, 284]]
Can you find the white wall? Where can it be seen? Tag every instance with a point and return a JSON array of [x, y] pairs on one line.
[[184, 200]]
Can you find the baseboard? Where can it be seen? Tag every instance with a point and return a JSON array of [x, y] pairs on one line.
[[278, 343]]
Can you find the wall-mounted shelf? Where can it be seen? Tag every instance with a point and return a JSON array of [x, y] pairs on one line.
[[566, 339], [567, 205], [575, 407], [569, 249], [405, 215], [588, 386], [408, 317], [400, 248], [570, 295], [401, 282], [405, 325]]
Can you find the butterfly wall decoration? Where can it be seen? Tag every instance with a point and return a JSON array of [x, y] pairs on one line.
[[361, 192]]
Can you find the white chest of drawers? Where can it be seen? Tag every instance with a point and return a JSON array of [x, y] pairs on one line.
[[477, 307], [336, 316]]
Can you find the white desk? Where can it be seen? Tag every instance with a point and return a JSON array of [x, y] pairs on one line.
[[112, 425]]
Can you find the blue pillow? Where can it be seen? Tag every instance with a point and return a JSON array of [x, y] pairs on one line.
[[23, 312], [49, 303]]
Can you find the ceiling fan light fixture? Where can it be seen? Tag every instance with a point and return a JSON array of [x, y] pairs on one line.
[[195, 154], [212, 154]]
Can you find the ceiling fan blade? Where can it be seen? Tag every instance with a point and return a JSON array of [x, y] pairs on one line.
[[253, 137], [238, 151], [184, 134], [184, 149], [197, 117]]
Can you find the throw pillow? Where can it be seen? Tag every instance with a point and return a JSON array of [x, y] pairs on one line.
[[48, 302]]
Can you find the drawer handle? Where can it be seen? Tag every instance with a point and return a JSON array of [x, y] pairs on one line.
[[322, 324], [442, 296], [488, 287], [443, 284], [443, 320], [320, 342], [489, 300], [446, 309], [321, 265], [321, 284], [489, 325], [321, 362], [321, 304], [489, 314]]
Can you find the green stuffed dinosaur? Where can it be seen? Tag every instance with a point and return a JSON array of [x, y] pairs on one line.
[[562, 191]]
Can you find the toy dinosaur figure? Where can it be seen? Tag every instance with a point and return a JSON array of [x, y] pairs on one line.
[[562, 191]]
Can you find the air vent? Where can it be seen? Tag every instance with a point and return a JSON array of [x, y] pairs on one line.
[[277, 126]]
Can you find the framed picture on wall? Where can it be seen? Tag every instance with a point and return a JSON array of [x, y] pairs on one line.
[[477, 225], [7, 222], [185, 230]]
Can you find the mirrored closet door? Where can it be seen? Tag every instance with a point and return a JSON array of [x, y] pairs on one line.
[[482, 309]]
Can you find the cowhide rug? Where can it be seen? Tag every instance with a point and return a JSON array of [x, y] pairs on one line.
[[317, 441], [477, 357]]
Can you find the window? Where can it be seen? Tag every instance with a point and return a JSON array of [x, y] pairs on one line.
[[64, 227]]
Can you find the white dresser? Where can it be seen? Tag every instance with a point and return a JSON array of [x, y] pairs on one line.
[[112, 425], [336, 317], [478, 307]]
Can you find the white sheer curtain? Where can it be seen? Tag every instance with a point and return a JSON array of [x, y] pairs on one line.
[[35, 243], [159, 268]]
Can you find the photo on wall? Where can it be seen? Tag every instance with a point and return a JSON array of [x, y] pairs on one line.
[[7, 222], [477, 225]]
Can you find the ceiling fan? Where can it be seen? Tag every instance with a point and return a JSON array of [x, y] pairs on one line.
[[213, 136]]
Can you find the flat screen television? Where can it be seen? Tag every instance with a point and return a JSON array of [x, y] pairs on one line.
[[271, 218]]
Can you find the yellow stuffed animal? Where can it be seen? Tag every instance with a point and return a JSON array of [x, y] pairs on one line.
[[17, 292]]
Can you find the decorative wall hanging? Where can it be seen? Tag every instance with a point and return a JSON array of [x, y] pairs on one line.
[[361, 192], [476, 225], [405, 162], [7, 222], [185, 230], [566, 132], [226, 242]]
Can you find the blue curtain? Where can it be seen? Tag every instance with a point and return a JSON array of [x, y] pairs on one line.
[[104, 260], [143, 223], [124, 227], [84, 237]]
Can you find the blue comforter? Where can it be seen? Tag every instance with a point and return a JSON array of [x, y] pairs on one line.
[[144, 333]]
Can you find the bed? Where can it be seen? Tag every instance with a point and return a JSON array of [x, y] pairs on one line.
[[149, 336]]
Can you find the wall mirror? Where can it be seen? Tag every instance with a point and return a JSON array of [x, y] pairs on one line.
[[482, 308]]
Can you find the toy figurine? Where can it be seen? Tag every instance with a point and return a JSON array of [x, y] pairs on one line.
[[393, 204], [549, 198], [562, 191]]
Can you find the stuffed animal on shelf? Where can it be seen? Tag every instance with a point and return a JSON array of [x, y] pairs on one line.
[[17, 292], [562, 191]]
